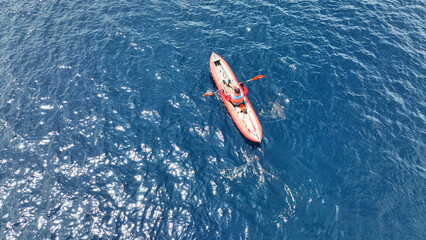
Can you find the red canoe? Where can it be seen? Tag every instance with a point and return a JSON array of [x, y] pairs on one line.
[[243, 115]]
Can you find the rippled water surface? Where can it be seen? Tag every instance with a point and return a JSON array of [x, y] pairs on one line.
[[105, 134]]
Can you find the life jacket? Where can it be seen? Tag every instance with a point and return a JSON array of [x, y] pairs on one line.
[[236, 100]]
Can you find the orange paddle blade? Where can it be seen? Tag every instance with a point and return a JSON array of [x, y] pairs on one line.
[[257, 77], [208, 94]]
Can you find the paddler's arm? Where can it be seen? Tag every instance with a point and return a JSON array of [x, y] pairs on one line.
[[245, 90], [226, 96]]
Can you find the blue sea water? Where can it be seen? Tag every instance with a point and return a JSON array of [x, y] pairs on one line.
[[105, 134]]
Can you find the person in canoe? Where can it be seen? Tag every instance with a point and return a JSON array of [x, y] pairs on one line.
[[237, 97]]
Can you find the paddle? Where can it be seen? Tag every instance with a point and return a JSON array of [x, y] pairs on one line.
[[255, 78]]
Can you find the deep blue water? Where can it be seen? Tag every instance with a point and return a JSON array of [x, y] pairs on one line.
[[105, 134]]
